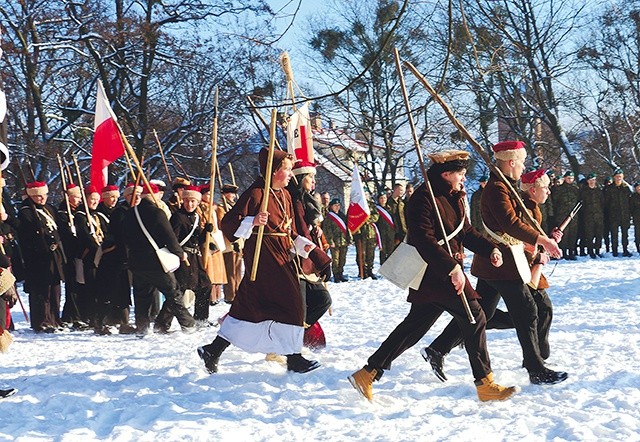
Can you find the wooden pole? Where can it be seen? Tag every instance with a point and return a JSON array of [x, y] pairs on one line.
[[423, 169], [212, 177], [233, 177], [164, 160], [476, 146], [133, 174], [265, 197]]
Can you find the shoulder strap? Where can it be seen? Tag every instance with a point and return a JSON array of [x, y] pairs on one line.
[[193, 229], [144, 229]]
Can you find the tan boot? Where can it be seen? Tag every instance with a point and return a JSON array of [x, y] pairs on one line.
[[362, 380], [490, 391], [274, 357]]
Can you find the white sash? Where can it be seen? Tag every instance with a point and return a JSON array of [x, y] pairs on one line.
[[336, 219], [386, 216]]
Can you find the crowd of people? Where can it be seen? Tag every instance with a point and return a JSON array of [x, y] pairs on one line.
[[106, 250]]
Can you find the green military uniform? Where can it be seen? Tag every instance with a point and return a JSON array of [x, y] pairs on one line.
[[634, 207], [592, 219], [338, 240], [387, 228], [565, 197], [616, 203], [365, 239], [476, 218], [397, 210]]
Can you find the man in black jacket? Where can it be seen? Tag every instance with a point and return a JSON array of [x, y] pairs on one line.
[[148, 273]]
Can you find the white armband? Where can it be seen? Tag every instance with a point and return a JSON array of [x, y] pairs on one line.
[[299, 244], [246, 228]]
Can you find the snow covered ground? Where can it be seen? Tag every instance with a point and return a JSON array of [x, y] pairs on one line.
[[80, 386]]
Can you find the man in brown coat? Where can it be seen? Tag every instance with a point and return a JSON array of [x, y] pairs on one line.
[[444, 281], [505, 224]]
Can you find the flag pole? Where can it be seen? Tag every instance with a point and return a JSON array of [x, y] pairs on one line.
[[265, 197], [423, 169]]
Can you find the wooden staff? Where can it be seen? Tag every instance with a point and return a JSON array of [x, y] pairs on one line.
[[133, 156], [233, 177], [285, 62], [265, 197], [72, 225], [212, 178], [164, 160], [224, 200], [177, 163], [476, 146], [133, 174], [92, 229], [68, 169], [423, 169], [253, 108]]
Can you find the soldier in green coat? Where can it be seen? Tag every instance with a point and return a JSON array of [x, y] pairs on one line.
[[386, 227], [592, 216], [396, 205], [616, 203], [565, 197], [366, 241], [338, 236], [476, 219], [634, 205]]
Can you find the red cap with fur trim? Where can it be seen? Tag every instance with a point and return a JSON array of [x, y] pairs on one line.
[[37, 188], [154, 189], [73, 190], [190, 191], [110, 190], [91, 189], [535, 178], [131, 187], [509, 150]]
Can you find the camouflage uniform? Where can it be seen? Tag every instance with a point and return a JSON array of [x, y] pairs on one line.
[[592, 219], [565, 198], [616, 203], [339, 242], [387, 235], [476, 218], [634, 206], [397, 210], [365, 239]]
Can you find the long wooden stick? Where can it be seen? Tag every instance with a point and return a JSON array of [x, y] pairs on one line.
[[212, 177], [177, 163], [92, 229], [265, 123], [164, 160], [133, 174], [423, 169], [233, 177], [285, 62], [265, 197], [476, 146]]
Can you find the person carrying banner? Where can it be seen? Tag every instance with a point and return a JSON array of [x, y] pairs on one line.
[[386, 227]]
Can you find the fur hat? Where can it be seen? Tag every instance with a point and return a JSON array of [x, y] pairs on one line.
[[130, 189], [229, 188], [448, 160], [205, 188], [509, 150], [180, 182], [535, 178], [37, 188], [191, 192], [73, 190], [110, 190]]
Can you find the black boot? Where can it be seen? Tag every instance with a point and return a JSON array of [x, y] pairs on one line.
[[592, 254], [547, 376], [626, 253], [436, 359], [210, 354], [298, 364], [337, 277], [7, 393]]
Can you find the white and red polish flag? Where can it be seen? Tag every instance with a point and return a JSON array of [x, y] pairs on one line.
[[299, 135], [358, 211], [107, 143]]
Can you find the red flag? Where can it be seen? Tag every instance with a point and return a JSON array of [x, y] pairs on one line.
[[107, 143], [358, 211]]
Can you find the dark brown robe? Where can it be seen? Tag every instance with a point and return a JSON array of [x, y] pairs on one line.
[[275, 294]]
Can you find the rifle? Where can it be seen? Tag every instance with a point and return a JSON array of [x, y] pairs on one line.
[[71, 223], [92, 229], [536, 269]]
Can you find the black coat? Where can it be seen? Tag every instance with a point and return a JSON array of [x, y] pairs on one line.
[[142, 256], [192, 276]]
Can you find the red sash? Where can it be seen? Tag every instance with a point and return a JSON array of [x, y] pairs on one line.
[[339, 222], [386, 216]]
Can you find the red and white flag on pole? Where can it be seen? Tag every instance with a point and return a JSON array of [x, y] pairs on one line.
[[299, 135], [107, 143], [358, 211]]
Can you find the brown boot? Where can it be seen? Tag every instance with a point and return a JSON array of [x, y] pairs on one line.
[[490, 391], [362, 380]]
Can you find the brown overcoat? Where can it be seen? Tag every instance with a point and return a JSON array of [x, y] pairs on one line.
[[501, 215], [275, 294], [423, 232]]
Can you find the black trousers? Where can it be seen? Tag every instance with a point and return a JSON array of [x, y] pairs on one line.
[[145, 284], [44, 303], [530, 311], [421, 318], [317, 300]]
